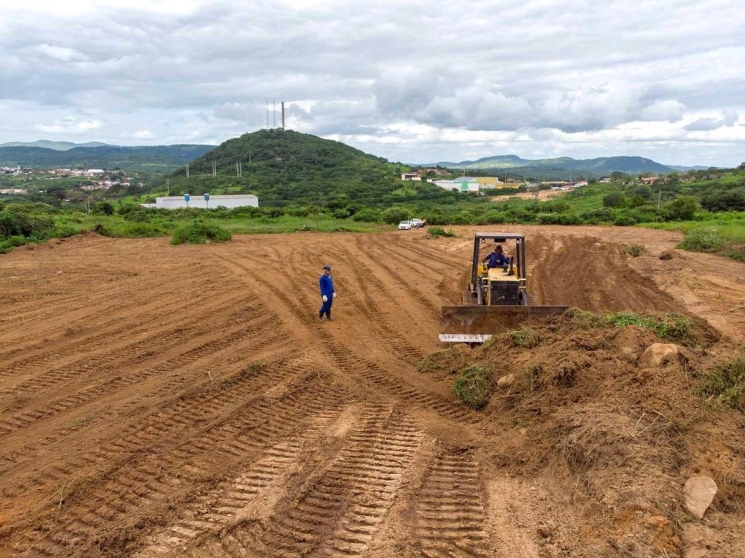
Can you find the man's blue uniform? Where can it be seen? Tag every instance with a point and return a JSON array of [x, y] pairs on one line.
[[327, 290], [497, 260]]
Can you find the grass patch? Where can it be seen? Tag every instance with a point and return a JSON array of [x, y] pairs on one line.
[[446, 360], [725, 384], [633, 250], [525, 337], [706, 239], [671, 327], [200, 232], [253, 369], [437, 232], [473, 386]]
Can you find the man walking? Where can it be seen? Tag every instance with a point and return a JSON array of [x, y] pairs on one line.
[[327, 292]]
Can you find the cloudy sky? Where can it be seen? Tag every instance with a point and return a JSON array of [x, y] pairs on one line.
[[411, 80]]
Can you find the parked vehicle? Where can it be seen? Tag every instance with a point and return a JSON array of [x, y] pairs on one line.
[[404, 225], [416, 223]]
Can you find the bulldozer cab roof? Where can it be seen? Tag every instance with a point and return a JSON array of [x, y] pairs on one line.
[[499, 237]]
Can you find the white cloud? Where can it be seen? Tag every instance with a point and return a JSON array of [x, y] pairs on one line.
[[70, 125], [440, 80]]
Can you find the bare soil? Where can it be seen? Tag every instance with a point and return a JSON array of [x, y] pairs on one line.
[[187, 401]]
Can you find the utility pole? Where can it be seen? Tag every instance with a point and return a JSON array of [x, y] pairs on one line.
[[283, 115], [249, 156], [214, 168], [168, 186], [187, 170], [659, 198], [274, 114], [237, 171]]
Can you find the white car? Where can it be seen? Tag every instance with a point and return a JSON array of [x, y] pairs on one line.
[[404, 226], [416, 223]]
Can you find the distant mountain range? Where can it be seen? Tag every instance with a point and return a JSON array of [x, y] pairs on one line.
[[56, 145], [160, 158], [167, 158], [515, 165]]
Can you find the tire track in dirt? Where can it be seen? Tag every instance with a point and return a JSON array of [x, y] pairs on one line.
[[415, 294], [71, 324], [184, 410], [450, 510], [338, 512], [144, 487], [366, 283], [112, 354], [240, 498], [117, 383], [128, 320], [105, 302], [353, 364]]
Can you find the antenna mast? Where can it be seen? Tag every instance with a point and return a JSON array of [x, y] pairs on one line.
[[283, 115]]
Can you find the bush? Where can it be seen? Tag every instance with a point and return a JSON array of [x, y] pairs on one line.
[[624, 219], [439, 231], [730, 200], [633, 250], [394, 215], [199, 232], [616, 199], [706, 239], [17, 220], [367, 216], [473, 386], [682, 208]]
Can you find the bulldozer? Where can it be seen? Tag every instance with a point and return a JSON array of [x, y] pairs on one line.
[[496, 299]]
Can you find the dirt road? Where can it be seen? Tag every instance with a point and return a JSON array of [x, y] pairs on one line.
[[187, 401]]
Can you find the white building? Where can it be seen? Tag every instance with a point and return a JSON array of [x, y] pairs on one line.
[[230, 202]]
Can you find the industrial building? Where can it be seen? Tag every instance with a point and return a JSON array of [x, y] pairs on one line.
[[201, 201]]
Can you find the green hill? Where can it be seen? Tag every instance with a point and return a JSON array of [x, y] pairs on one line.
[[284, 167], [163, 158]]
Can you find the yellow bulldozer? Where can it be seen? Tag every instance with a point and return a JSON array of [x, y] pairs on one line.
[[496, 298]]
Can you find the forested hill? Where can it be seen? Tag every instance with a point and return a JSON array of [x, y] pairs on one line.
[[284, 167], [164, 158]]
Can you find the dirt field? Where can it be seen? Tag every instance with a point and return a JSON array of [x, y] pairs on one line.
[[186, 401]]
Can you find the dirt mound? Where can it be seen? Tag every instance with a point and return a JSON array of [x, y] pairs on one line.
[[575, 409]]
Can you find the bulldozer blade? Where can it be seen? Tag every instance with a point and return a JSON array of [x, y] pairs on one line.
[[476, 324]]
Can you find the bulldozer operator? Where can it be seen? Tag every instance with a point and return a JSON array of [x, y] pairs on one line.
[[496, 258]]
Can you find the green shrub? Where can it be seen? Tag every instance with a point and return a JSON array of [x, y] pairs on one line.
[[616, 199], [682, 208], [525, 337], [200, 232], [633, 250], [18, 220], [394, 215], [439, 231], [473, 386], [705, 239], [726, 384], [367, 216], [440, 361]]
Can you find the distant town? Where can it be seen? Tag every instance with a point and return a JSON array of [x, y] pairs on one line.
[[96, 179]]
